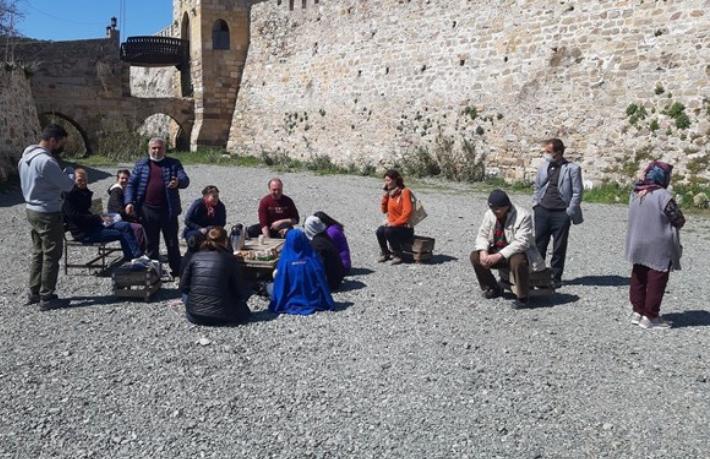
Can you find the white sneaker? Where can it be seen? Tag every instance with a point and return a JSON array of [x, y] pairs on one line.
[[635, 318], [659, 323]]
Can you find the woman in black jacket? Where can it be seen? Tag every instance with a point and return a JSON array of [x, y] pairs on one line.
[[213, 284]]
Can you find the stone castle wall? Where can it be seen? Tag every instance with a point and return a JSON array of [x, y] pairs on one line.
[[372, 81], [19, 125]]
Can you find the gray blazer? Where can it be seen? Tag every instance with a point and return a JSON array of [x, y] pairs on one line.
[[569, 185]]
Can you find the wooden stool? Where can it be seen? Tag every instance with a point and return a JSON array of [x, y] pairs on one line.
[[540, 282], [421, 249], [141, 284]]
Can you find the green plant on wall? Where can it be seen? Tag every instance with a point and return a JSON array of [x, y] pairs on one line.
[[676, 111], [636, 113], [471, 112]]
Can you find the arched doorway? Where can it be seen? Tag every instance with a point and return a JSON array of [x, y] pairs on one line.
[[185, 68], [77, 145], [166, 127]]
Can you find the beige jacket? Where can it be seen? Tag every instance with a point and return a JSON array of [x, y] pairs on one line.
[[518, 232]]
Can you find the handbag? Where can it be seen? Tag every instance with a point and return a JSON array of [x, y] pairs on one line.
[[418, 212]]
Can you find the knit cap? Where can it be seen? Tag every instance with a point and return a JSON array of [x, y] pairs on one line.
[[498, 199]]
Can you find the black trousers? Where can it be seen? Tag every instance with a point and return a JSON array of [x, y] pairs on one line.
[[155, 220], [553, 224], [397, 236]]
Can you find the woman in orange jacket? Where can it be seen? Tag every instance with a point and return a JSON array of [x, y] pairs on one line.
[[397, 204]]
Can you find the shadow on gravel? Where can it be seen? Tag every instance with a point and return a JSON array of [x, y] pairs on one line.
[[94, 175], [86, 301], [262, 316], [342, 305], [164, 294], [689, 319], [11, 198], [558, 299], [600, 281], [11, 195], [440, 259], [349, 285], [360, 272]]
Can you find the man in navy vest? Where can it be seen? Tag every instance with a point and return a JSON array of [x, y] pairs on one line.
[[153, 194], [556, 203]]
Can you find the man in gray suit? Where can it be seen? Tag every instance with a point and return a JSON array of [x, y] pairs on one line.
[[556, 203]]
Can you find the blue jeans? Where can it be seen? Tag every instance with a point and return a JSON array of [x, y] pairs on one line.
[[119, 231]]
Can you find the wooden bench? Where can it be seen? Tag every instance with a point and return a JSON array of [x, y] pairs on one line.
[[421, 249], [540, 282]]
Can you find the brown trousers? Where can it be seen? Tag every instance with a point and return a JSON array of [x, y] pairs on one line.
[[519, 271]]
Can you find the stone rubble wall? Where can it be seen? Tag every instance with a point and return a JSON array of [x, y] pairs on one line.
[[373, 81], [19, 125]]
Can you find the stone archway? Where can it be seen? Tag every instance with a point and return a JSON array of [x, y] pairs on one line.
[[169, 128], [70, 124]]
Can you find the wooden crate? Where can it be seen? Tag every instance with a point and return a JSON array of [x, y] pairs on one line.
[[422, 248], [135, 284], [540, 282]]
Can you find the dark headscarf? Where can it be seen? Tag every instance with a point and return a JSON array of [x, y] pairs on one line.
[[327, 219], [656, 175], [300, 286]]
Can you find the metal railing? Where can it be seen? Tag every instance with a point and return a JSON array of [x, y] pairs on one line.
[[152, 51]]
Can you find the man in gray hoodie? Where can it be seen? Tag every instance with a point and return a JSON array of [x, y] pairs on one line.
[[43, 182]]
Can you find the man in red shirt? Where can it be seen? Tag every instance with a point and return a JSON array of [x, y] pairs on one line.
[[277, 213]]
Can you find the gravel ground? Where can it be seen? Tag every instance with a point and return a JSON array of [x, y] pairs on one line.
[[414, 363]]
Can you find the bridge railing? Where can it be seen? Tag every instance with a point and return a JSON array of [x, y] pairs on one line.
[[153, 51]]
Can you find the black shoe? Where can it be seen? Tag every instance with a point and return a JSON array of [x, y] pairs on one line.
[[491, 293], [52, 302], [519, 303], [556, 284], [32, 298]]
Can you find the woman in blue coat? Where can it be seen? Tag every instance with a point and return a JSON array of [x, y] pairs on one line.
[[300, 286]]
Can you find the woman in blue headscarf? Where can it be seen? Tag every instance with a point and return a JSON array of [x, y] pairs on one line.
[[300, 285]]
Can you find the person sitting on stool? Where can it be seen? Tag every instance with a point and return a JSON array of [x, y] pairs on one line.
[[505, 240]]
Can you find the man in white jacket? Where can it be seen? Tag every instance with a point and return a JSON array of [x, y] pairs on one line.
[[505, 240]]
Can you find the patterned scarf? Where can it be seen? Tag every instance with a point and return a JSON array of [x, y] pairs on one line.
[[210, 207], [499, 240], [656, 175]]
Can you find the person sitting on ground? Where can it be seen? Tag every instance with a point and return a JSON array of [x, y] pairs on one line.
[[205, 213], [314, 229], [652, 243], [115, 205], [397, 204], [212, 283], [505, 240], [336, 233], [300, 285], [277, 213], [87, 227]]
